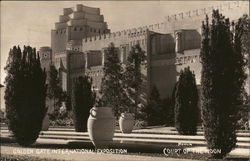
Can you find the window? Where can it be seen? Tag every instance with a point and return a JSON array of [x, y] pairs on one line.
[[80, 28], [75, 29], [90, 29]]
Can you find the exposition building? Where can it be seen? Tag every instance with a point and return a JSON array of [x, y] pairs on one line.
[[81, 37]]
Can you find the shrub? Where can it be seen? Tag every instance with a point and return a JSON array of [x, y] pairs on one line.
[[25, 94], [243, 117], [60, 118], [140, 124], [67, 122]]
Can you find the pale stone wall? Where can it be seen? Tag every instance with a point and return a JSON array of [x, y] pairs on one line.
[[119, 38], [59, 40], [190, 58], [91, 10], [2, 104], [192, 19]]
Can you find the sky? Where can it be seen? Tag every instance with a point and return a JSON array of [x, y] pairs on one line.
[[30, 22]]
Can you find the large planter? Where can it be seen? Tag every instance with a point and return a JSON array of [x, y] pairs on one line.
[[45, 125], [126, 122], [101, 126]]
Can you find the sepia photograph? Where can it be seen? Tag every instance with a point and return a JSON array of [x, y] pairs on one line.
[[125, 80]]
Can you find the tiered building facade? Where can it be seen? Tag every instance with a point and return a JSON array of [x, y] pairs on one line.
[[81, 36]]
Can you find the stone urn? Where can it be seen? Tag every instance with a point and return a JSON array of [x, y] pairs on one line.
[[101, 126], [126, 122], [45, 125]]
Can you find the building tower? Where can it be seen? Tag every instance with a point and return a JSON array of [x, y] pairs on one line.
[[76, 25], [45, 54]]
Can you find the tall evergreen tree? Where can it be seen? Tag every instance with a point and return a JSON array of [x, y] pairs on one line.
[[25, 94], [54, 91], [56, 95], [186, 100], [222, 81], [168, 111], [67, 98], [154, 108], [83, 101], [133, 76], [171, 110], [241, 33], [111, 86]]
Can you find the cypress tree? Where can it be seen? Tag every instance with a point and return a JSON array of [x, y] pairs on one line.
[[66, 97], [54, 91], [84, 100], [111, 86], [186, 100], [168, 111], [222, 82], [241, 33], [25, 94], [154, 108], [56, 95], [132, 76]]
